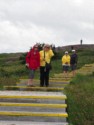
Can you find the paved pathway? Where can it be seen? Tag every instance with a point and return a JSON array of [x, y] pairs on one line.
[[45, 106]]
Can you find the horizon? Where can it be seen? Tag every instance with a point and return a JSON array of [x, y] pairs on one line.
[[26, 22], [74, 45]]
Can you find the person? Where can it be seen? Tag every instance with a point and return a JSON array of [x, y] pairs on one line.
[[66, 63], [32, 62], [45, 57], [73, 62]]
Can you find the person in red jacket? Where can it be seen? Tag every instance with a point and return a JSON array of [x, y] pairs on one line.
[[32, 62]]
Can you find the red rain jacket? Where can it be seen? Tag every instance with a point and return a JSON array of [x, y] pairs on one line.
[[33, 59]]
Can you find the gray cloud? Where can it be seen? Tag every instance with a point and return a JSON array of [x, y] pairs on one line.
[[63, 22]]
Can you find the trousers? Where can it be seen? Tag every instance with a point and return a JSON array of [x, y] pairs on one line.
[[44, 76]]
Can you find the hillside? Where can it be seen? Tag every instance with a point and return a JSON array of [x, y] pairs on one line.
[[76, 47], [14, 63]]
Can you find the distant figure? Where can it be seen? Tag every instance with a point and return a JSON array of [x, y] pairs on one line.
[[32, 63], [45, 57], [73, 62], [66, 63], [72, 47], [81, 41]]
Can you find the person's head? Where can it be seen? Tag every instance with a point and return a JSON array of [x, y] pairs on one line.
[[66, 52], [35, 47], [46, 47], [73, 51]]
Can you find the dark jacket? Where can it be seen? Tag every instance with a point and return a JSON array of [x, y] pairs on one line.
[[73, 59]]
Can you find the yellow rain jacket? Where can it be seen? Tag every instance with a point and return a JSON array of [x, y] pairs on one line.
[[66, 60], [48, 55]]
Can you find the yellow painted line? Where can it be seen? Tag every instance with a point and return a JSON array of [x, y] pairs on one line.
[[52, 85], [35, 88], [88, 66], [61, 76], [84, 69], [2, 113], [61, 84], [64, 78], [33, 97], [34, 105], [59, 79], [50, 80]]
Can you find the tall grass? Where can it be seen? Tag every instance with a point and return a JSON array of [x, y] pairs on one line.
[[85, 57], [80, 101], [7, 81]]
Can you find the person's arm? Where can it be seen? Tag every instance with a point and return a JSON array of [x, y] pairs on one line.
[[27, 59], [38, 59], [51, 53], [62, 60], [69, 60], [76, 60]]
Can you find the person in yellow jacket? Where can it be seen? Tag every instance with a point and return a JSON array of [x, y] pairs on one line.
[[66, 62], [45, 57]]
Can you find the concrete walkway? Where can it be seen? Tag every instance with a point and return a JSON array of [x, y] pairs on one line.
[[36, 105], [29, 123]]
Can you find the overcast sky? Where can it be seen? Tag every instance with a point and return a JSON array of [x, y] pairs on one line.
[[59, 22]]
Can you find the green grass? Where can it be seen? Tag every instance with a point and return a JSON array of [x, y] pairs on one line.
[[85, 57], [6, 81], [80, 101]]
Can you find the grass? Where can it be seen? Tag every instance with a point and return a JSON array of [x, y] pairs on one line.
[[6, 81], [85, 57], [81, 100]]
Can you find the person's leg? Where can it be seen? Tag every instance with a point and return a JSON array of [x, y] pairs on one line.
[[47, 78], [66, 71], [42, 75], [73, 73], [74, 70], [31, 77], [63, 69]]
